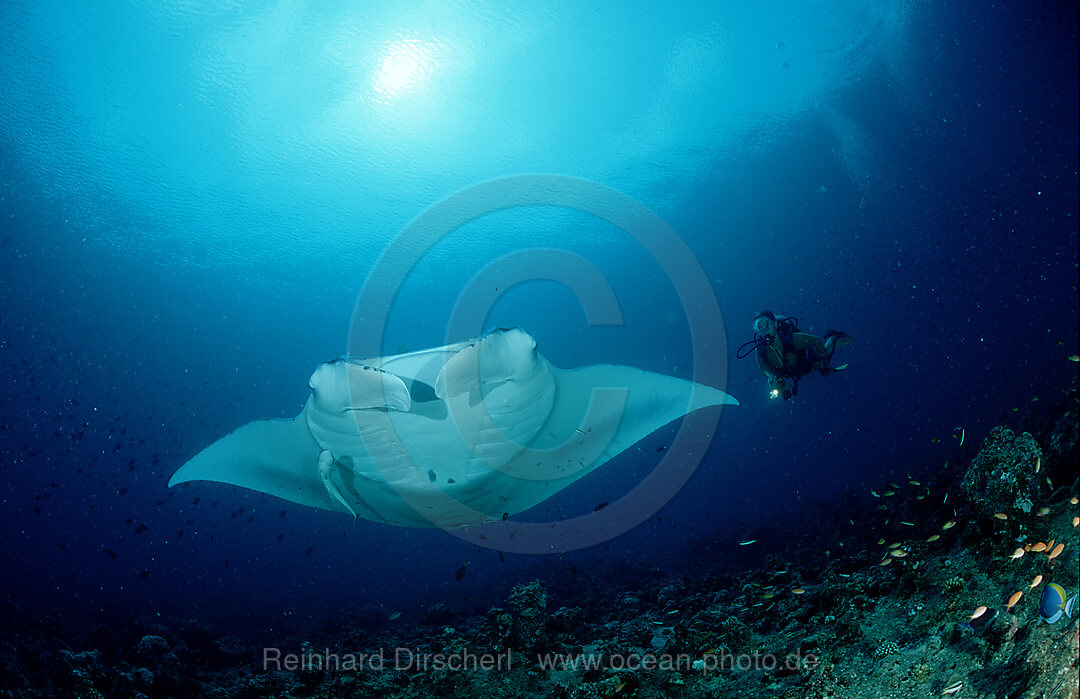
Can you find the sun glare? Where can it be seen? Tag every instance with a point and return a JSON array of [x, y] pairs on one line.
[[405, 65]]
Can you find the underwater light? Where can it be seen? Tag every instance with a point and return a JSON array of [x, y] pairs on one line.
[[404, 65]]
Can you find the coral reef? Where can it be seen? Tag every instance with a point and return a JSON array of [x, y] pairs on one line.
[[913, 597], [1002, 478]]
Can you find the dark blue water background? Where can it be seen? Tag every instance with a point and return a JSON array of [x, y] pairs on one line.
[[193, 195]]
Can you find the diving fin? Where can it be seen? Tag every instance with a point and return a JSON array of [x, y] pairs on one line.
[[833, 369], [841, 338]]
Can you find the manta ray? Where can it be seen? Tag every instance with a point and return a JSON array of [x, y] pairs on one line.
[[456, 435]]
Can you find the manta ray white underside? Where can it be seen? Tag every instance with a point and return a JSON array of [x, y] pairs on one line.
[[461, 434]]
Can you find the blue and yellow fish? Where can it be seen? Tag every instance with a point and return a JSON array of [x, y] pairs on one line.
[[1055, 602]]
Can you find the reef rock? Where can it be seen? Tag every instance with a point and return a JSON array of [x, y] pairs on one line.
[[529, 603], [1002, 476]]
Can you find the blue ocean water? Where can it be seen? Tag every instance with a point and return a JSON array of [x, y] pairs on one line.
[[194, 194]]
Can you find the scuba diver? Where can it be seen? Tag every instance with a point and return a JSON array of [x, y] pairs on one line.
[[785, 354]]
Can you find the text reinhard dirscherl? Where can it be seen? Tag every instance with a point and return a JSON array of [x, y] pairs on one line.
[[412, 660]]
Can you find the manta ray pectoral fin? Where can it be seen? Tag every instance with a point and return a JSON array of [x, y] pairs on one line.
[[270, 456], [326, 469]]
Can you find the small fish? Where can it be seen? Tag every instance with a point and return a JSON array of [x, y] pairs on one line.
[[460, 572], [600, 506], [1018, 553], [1072, 357], [880, 542], [431, 475], [1001, 515], [888, 493], [1013, 600], [979, 611], [885, 561], [1054, 603], [948, 525], [1038, 463], [505, 516], [747, 542], [394, 615], [1038, 547], [952, 688], [898, 553], [1076, 521], [894, 545], [1056, 552], [935, 440], [874, 493], [932, 538], [1035, 582], [1043, 511], [914, 482], [798, 591], [1073, 500]]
